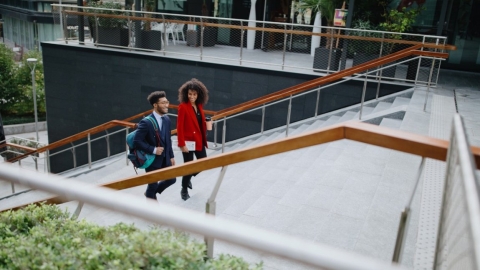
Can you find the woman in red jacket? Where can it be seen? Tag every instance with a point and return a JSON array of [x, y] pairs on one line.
[[191, 126]]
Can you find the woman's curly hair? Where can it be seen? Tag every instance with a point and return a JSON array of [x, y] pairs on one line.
[[197, 86]]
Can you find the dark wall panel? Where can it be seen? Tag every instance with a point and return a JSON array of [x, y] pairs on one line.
[[88, 86]]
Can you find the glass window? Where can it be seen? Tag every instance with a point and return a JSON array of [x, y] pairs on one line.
[[171, 5]]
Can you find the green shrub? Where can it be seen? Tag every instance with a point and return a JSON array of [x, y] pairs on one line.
[[44, 237]]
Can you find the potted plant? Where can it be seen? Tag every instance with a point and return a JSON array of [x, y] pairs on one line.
[[111, 31], [364, 50], [399, 21], [194, 30], [323, 56], [148, 38]]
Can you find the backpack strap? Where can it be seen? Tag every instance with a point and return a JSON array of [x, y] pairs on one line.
[[155, 127]]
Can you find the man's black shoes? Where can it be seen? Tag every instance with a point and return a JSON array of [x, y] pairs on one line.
[[190, 184], [184, 194]]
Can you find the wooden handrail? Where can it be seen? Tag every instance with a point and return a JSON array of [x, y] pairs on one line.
[[114, 123], [263, 29], [23, 147], [406, 142], [315, 83]]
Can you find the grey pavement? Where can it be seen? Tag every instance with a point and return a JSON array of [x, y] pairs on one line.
[[345, 194]]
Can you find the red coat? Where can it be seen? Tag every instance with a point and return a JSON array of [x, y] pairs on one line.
[[187, 126]]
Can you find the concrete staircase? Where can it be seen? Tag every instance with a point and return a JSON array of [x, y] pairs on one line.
[[345, 194]]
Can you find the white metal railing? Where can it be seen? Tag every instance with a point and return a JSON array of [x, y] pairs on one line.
[[458, 241], [299, 250], [367, 79], [278, 57]]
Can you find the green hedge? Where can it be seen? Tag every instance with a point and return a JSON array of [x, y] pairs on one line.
[[14, 120], [44, 237]]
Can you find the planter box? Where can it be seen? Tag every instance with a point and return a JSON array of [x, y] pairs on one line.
[[209, 37], [151, 40], [360, 58], [113, 36], [321, 57]]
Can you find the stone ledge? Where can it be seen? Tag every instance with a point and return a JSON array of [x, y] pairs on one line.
[[24, 128]]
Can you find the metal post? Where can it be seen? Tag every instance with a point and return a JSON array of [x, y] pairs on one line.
[[61, 19], [284, 45], [36, 162], [288, 115], [215, 134], [428, 84], [108, 143], [96, 29], [263, 119], [404, 218], [210, 209], [47, 160], [330, 52], [32, 62], [65, 33], [201, 38], [74, 154], [418, 68], [81, 33], [89, 144], [440, 62], [363, 95], [126, 152], [379, 73], [77, 211], [318, 100], [129, 32], [241, 41], [165, 36], [224, 132]]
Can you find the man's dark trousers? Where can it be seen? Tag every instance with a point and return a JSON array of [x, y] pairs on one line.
[[158, 187]]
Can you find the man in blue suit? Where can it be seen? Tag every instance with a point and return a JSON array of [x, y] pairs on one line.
[[156, 140]]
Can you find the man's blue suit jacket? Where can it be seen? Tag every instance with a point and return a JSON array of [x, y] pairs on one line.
[[145, 140]]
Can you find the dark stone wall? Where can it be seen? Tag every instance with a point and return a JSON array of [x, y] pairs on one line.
[[88, 86]]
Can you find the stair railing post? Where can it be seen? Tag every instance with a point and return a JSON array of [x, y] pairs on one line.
[[215, 134], [89, 145], [418, 68], [74, 154], [288, 115], [108, 143], [47, 159], [404, 218], [126, 152], [201, 38], [210, 208], [241, 41], [96, 29], [224, 133], [263, 119], [77, 211], [36, 162], [429, 82], [284, 46], [379, 72], [363, 96], [12, 184], [318, 101]]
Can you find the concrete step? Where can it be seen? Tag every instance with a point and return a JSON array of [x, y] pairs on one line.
[[330, 121], [366, 111], [391, 123], [400, 101], [381, 106], [347, 116]]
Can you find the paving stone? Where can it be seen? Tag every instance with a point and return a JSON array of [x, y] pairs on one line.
[[353, 204]]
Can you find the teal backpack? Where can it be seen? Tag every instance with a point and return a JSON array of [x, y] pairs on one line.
[[139, 158]]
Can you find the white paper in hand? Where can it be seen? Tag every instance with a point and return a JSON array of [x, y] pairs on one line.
[[190, 145]]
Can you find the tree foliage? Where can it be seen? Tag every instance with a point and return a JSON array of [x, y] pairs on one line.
[[16, 95]]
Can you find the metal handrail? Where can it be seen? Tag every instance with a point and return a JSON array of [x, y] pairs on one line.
[[317, 255], [344, 79], [459, 247]]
